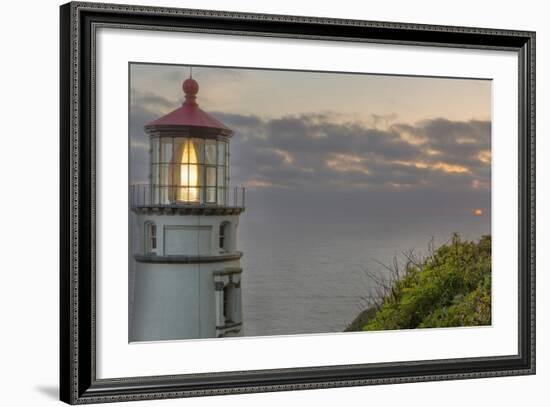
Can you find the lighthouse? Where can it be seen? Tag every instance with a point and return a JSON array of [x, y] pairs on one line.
[[187, 275]]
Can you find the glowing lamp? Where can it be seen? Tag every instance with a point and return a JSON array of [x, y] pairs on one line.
[[188, 188]]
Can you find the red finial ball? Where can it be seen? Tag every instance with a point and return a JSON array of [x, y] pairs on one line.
[[190, 87]]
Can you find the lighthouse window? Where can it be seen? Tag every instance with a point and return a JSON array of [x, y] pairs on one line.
[[224, 236], [229, 303], [153, 236], [150, 237]]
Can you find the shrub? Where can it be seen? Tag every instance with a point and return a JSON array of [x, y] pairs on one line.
[[450, 287]]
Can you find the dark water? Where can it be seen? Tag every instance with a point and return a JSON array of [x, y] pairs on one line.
[[308, 277]]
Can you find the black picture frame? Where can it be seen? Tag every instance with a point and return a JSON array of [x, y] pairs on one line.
[[78, 382]]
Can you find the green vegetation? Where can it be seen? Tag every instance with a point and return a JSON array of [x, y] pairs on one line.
[[449, 287]]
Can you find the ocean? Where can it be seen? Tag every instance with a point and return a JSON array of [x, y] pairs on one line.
[[309, 277]]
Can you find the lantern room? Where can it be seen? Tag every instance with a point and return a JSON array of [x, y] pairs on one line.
[[189, 155]]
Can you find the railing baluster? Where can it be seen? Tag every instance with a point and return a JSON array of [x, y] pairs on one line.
[[147, 195]]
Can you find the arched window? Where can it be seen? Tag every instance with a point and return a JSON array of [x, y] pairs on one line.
[[150, 237], [224, 236]]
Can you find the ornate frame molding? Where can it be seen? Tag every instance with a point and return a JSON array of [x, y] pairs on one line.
[[77, 249]]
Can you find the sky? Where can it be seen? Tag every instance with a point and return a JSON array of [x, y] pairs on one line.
[[312, 144]]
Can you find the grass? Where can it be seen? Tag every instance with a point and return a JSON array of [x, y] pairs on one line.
[[449, 287]]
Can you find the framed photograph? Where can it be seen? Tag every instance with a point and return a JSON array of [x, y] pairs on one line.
[[255, 203]]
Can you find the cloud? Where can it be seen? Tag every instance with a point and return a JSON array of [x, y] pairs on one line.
[[150, 102], [139, 143], [312, 151], [316, 161]]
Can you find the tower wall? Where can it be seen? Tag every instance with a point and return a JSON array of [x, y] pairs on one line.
[[176, 301], [187, 286]]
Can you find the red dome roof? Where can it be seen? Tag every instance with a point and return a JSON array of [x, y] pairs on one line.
[[189, 114]]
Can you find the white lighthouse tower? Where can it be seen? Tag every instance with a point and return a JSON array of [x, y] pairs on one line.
[[187, 281]]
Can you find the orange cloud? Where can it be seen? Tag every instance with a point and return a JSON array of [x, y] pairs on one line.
[[485, 156], [347, 163], [439, 166]]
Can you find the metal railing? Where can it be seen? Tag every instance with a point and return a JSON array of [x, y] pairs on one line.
[[145, 195]]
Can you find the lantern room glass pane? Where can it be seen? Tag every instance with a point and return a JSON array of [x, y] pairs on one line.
[[188, 188], [165, 183], [155, 178], [182, 150], [211, 195], [210, 151], [199, 147], [227, 174], [221, 176], [222, 156], [164, 172], [221, 185], [166, 149], [211, 184], [155, 150], [210, 176]]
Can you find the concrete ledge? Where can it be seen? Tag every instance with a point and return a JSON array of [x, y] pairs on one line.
[[187, 210], [228, 271], [183, 259]]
